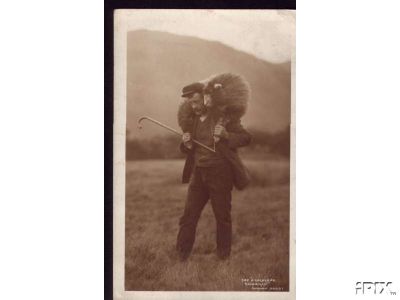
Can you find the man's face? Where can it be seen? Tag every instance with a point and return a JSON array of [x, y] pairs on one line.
[[197, 103], [208, 100]]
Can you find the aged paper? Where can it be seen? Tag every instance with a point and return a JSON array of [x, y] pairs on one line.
[[156, 53]]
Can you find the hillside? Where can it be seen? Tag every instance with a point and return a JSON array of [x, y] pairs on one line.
[[160, 64]]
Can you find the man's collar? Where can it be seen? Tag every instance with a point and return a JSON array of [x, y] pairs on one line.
[[203, 117]]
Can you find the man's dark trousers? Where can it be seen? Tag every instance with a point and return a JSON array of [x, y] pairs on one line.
[[215, 183]]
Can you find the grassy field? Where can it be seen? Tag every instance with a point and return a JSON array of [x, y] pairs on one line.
[[155, 199]]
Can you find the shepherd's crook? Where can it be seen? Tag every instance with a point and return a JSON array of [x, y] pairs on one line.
[[172, 130]]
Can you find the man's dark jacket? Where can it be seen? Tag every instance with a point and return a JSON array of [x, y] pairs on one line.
[[238, 137]]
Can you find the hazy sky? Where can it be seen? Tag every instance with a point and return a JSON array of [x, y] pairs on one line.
[[267, 34]]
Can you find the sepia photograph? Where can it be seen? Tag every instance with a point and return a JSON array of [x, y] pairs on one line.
[[204, 122]]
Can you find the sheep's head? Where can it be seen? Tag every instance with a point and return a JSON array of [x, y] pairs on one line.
[[228, 93]]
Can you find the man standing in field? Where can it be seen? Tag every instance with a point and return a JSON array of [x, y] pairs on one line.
[[211, 175]]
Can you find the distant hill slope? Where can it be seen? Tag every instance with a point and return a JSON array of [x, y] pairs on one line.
[[160, 64]]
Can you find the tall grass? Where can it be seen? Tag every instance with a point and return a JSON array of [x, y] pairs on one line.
[[155, 199]]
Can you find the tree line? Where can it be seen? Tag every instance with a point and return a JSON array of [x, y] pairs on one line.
[[167, 146]]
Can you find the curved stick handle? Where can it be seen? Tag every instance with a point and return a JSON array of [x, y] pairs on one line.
[[170, 129], [158, 123]]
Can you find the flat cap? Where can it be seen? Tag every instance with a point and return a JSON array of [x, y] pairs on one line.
[[192, 88]]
